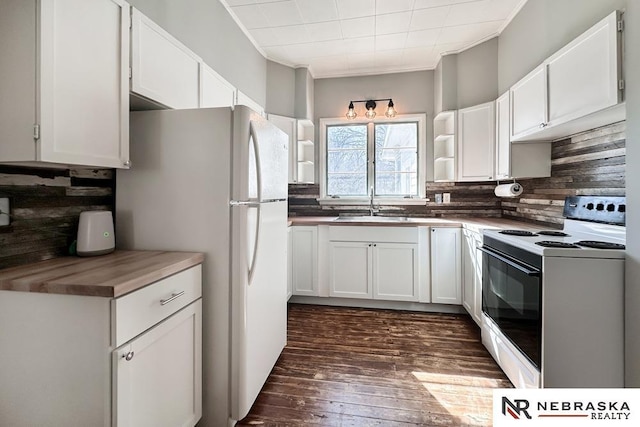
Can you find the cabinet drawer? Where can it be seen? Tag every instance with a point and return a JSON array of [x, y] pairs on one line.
[[140, 310], [374, 234]]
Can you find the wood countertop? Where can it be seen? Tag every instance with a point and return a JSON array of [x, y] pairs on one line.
[[110, 275], [475, 224]]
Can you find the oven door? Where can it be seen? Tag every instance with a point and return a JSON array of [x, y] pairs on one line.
[[511, 297]]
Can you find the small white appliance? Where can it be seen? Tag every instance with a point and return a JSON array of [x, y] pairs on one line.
[[95, 233], [214, 180]]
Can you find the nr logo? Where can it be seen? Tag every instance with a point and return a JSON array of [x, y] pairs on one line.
[[516, 409]]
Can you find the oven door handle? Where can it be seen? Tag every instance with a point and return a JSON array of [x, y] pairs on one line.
[[525, 270]]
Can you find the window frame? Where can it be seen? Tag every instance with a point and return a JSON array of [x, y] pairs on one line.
[[420, 198]]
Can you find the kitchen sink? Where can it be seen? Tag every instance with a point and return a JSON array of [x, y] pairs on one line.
[[372, 219]]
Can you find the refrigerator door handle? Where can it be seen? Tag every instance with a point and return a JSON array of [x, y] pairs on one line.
[[254, 140], [256, 243], [251, 203]]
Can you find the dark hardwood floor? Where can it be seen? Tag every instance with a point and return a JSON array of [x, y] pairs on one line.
[[363, 367]]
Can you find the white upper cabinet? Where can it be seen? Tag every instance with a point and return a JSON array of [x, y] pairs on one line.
[[64, 86], [476, 140], [289, 126], [573, 90], [529, 104], [215, 91], [518, 159], [583, 76], [242, 99], [503, 137], [163, 70]]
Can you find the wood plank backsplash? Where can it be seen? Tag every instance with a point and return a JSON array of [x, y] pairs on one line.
[[45, 207], [589, 163]]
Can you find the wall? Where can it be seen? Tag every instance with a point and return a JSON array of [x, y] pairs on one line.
[[632, 292], [411, 92], [45, 206], [540, 29], [206, 28], [477, 74], [590, 163], [281, 89], [304, 94], [446, 84]]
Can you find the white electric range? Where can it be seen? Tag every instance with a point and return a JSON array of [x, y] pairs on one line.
[[553, 300]]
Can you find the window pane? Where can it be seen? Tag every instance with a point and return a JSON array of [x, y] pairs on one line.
[[347, 160], [396, 159]]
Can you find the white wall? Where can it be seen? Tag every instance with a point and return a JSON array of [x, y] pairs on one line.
[[281, 89], [632, 295], [206, 28]]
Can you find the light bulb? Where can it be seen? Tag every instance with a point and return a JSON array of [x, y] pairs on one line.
[[351, 114], [370, 113], [391, 112]]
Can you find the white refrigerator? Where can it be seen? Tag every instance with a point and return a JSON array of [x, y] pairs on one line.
[[215, 181]]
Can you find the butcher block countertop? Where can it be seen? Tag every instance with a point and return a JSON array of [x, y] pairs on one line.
[[110, 275]]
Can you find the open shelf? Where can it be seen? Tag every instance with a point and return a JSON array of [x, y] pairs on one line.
[[444, 146]]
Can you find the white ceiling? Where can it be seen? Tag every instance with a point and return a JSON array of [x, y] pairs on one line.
[[357, 37]]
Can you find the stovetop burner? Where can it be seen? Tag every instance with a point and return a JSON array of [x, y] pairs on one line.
[[552, 244], [553, 233], [518, 233], [600, 245]]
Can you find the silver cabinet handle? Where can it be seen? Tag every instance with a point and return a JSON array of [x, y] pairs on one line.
[[543, 125], [173, 296], [128, 356], [127, 163]]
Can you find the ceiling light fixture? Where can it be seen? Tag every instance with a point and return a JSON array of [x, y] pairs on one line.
[[370, 105]]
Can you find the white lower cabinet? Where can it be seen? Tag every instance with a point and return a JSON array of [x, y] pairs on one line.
[[77, 361], [158, 375], [350, 269], [472, 274], [374, 263], [304, 260], [446, 266]]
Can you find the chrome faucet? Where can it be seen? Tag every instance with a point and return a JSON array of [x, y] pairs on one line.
[[372, 209]]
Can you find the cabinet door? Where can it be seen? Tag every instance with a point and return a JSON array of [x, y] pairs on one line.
[[304, 260], [214, 90], [472, 274], [446, 270], [476, 139], [583, 76], [163, 70], [84, 96], [503, 142], [289, 264], [289, 126], [242, 99], [158, 376], [350, 269], [529, 103], [395, 271]]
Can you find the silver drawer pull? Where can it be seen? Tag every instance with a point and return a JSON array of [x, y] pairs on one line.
[[173, 296], [128, 356]]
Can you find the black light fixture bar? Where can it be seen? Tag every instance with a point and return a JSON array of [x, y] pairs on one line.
[[370, 105]]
